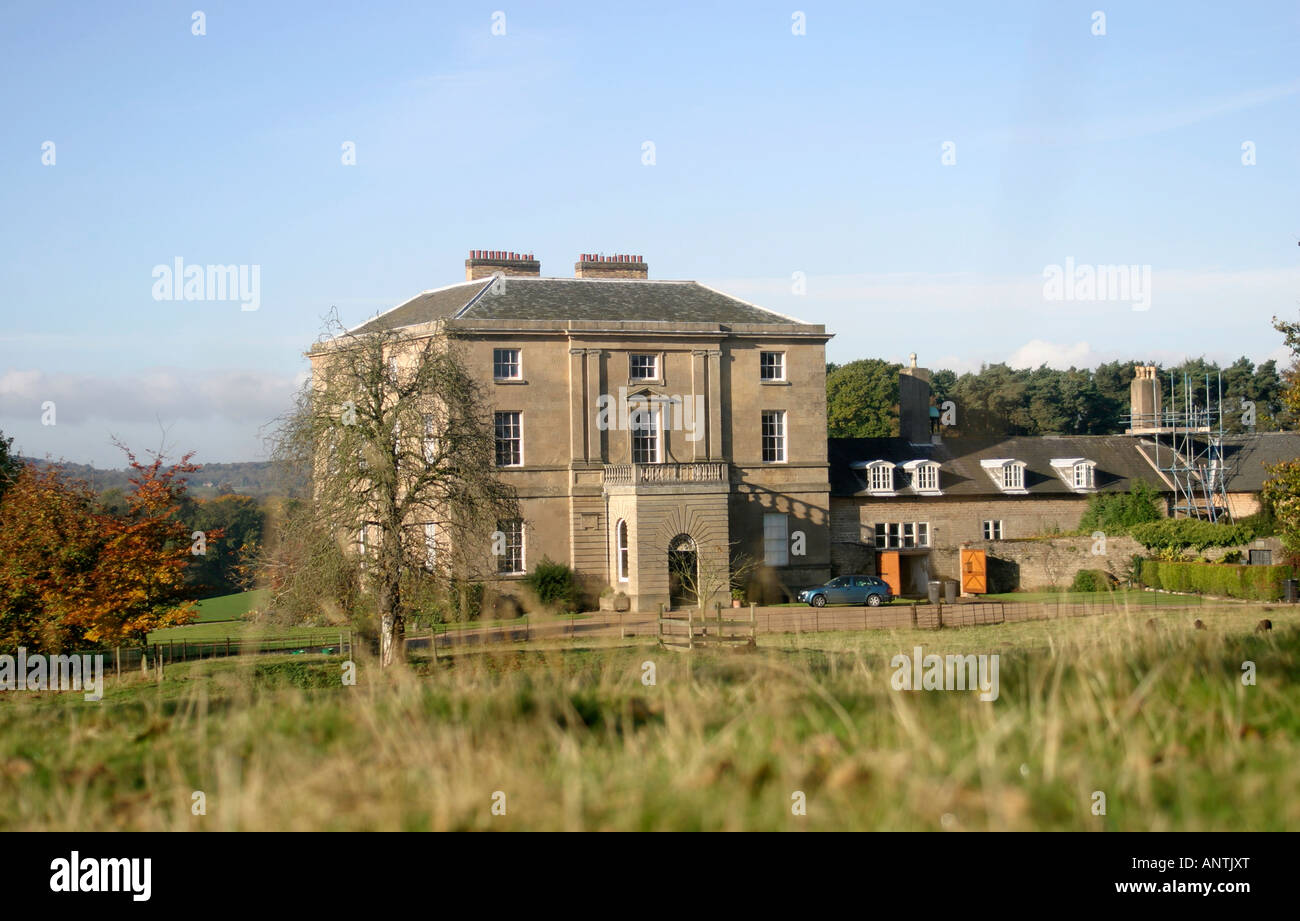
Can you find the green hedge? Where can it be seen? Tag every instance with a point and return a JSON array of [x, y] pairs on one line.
[[1178, 534], [1254, 583]]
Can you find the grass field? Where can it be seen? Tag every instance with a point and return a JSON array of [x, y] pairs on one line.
[[229, 607], [1155, 716]]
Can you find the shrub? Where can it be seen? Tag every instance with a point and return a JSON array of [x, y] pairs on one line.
[[1118, 513], [465, 599], [1173, 536], [1090, 580], [1253, 583], [553, 583]]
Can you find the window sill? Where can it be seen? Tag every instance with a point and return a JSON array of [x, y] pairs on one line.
[[775, 383], [509, 380]]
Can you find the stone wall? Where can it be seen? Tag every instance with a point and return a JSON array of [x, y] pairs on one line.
[[1053, 562]]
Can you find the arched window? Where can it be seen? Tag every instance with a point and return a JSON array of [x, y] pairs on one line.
[[620, 541]]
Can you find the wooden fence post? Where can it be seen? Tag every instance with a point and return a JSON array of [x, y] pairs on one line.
[[940, 615], [118, 656], [690, 628], [913, 615], [753, 623]]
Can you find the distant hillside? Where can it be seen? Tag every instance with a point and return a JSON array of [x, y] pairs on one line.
[[258, 479]]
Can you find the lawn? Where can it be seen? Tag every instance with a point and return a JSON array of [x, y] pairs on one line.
[[229, 607], [1140, 707]]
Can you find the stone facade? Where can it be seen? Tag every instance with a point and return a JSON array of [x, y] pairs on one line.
[[578, 479], [952, 523], [708, 492]]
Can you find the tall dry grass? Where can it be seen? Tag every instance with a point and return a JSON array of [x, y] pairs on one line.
[[1154, 717]]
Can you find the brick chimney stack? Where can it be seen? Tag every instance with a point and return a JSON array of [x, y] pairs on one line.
[[483, 263], [592, 265], [914, 403], [1144, 398]]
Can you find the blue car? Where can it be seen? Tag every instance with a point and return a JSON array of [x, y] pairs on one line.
[[849, 590]]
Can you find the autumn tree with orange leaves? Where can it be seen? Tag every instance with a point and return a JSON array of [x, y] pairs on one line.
[[71, 573]]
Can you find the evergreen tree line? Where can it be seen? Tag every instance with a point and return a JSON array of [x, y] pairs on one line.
[[998, 400]]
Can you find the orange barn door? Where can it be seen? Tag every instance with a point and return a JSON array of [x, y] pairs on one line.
[[974, 580], [887, 568]]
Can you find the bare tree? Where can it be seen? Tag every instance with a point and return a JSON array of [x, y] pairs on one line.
[[400, 447], [718, 569]]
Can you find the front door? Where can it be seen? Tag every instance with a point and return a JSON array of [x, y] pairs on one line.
[[887, 566]]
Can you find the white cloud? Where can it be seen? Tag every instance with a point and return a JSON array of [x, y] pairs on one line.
[[970, 318], [157, 394], [1038, 352]]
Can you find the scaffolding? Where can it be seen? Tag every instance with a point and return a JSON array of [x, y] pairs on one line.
[[1187, 439]]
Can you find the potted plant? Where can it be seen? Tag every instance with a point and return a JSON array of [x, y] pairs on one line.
[[737, 597]]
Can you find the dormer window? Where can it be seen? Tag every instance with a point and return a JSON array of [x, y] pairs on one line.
[[1078, 473], [879, 475], [1007, 473], [925, 476]]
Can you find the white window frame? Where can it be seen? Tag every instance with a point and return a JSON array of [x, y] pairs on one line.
[[880, 477], [1008, 473], [780, 440], [779, 365], [622, 555], [655, 433], [362, 548], [517, 363], [902, 535], [993, 529], [430, 439], [927, 478], [517, 436], [776, 539], [1078, 473], [655, 362], [508, 528], [430, 544]]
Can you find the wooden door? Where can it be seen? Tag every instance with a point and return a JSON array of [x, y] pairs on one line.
[[974, 580], [887, 566]]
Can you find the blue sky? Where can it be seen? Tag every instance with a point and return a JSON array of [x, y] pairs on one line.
[[775, 154]]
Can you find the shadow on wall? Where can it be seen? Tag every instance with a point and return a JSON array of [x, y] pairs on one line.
[[766, 587], [1003, 575]]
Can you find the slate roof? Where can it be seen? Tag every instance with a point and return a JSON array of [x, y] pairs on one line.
[[591, 299], [1246, 455], [960, 474]]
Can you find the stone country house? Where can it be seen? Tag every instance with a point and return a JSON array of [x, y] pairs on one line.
[[656, 428]]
